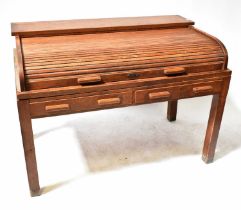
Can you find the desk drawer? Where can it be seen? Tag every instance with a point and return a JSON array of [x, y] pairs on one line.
[[157, 94], [79, 104]]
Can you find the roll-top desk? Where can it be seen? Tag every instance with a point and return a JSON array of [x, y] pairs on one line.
[[74, 66]]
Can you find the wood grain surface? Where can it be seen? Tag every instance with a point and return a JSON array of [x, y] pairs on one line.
[[95, 25], [58, 61]]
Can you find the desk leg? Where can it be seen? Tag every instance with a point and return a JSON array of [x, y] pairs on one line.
[[28, 146], [214, 122], [172, 110]]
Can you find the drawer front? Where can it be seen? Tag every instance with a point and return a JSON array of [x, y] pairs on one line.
[[79, 104], [156, 94]]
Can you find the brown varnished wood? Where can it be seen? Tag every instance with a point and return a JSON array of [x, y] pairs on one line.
[[214, 122], [75, 104], [202, 89], [142, 95], [115, 72], [16, 67], [132, 50], [88, 79], [113, 99], [98, 25], [159, 95], [65, 67], [172, 110], [28, 146], [169, 71], [59, 107], [109, 101], [225, 52], [84, 54], [63, 81], [19, 61], [143, 87], [118, 85]]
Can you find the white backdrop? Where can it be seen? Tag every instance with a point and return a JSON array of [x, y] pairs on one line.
[[221, 18]]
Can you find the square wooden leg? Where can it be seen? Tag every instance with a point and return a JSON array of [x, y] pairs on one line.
[[214, 122], [172, 110], [28, 146]]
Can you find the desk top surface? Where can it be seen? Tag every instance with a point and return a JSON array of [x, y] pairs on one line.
[[93, 25]]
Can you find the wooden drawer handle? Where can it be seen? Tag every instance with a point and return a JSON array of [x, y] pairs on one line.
[[89, 79], [59, 107], [202, 89], [159, 95], [109, 101], [174, 71]]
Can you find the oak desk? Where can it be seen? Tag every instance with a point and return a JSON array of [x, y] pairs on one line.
[[73, 66]]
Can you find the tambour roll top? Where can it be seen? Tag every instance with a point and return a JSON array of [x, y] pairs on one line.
[[96, 54]]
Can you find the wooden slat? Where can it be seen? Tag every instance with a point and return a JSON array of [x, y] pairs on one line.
[[94, 25], [110, 63], [127, 53], [102, 59], [106, 40], [130, 65], [100, 41]]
